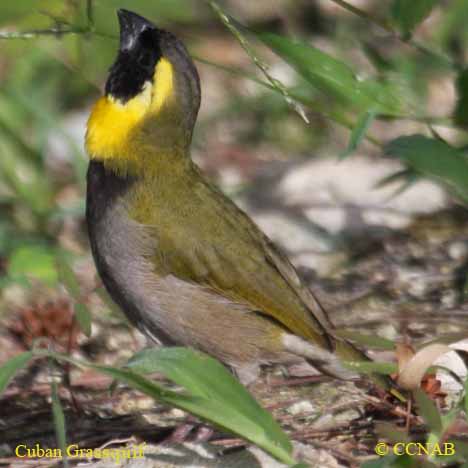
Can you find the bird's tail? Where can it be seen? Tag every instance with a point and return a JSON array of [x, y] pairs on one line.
[[333, 362]]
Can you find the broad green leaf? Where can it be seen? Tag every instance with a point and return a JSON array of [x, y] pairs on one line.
[[209, 381], [11, 367], [434, 159], [83, 317], [59, 423], [407, 14], [222, 413], [33, 262], [359, 132], [333, 77], [242, 415], [428, 411], [461, 109]]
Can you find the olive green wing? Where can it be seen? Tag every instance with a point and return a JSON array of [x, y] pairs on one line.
[[289, 274], [234, 258]]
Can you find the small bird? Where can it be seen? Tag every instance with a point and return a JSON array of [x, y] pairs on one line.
[[185, 264]]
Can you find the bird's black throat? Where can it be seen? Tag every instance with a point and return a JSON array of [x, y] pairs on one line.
[[134, 67]]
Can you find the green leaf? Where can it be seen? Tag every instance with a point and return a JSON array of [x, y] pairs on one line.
[[229, 405], [434, 159], [333, 77], [391, 432], [221, 413], [370, 367], [109, 302], [393, 461], [461, 110], [429, 412], [59, 423], [33, 261], [83, 317], [367, 341], [68, 278], [11, 367], [449, 418], [407, 14], [13, 11], [359, 132], [465, 398], [406, 176], [214, 394]]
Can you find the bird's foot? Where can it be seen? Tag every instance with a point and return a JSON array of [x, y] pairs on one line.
[[195, 432]]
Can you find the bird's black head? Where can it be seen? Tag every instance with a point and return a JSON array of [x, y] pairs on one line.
[[152, 94], [137, 57]]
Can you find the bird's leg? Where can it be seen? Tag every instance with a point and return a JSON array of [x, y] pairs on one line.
[[202, 432]]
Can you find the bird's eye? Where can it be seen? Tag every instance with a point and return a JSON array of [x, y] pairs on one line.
[[145, 58], [148, 45], [147, 39]]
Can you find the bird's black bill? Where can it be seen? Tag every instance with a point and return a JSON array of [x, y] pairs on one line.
[[131, 26]]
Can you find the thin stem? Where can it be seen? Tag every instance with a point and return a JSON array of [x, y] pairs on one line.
[[56, 32], [388, 28], [38, 33], [276, 84], [364, 15], [90, 15], [233, 71], [328, 113]]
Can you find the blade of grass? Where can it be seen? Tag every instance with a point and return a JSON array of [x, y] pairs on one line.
[[276, 84], [434, 159], [370, 367], [359, 132], [407, 15], [333, 77], [59, 423], [222, 412], [12, 366], [441, 58]]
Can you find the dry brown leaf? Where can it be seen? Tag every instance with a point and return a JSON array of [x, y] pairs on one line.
[[411, 374], [403, 352]]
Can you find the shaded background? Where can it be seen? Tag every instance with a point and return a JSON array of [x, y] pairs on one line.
[[386, 254]]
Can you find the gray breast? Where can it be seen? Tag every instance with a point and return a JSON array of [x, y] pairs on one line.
[[120, 249]]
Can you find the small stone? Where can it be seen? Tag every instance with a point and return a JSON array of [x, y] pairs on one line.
[[449, 298], [387, 331], [458, 250], [303, 407], [178, 413], [414, 281]]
